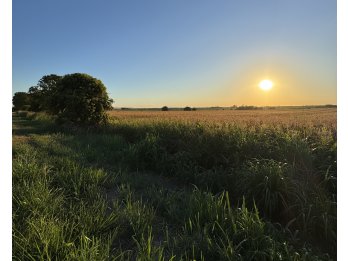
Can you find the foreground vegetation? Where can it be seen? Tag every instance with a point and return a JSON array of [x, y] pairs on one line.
[[156, 189]]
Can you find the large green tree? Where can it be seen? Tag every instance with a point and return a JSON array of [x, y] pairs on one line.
[[21, 101], [41, 94], [82, 99]]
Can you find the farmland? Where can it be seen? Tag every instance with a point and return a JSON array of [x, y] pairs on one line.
[[300, 117], [175, 185]]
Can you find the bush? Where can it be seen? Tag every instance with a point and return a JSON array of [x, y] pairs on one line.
[[81, 99], [164, 108], [187, 109]]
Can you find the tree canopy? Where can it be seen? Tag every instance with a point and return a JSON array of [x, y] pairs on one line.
[[21, 101], [41, 94], [82, 99], [78, 98]]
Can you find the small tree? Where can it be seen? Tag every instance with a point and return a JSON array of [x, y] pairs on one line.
[[81, 99], [165, 108], [187, 109], [41, 94], [20, 101]]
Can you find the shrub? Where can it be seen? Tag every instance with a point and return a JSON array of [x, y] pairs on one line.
[[81, 99], [187, 108], [165, 108]]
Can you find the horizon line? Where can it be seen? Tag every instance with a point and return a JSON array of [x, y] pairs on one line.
[[232, 106]]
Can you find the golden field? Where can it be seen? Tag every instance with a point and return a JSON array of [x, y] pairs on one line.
[[316, 117]]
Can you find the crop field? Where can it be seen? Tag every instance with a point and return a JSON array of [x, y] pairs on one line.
[[176, 185], [300, 117]]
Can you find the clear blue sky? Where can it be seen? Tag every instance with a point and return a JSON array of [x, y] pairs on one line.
[[183, 52]]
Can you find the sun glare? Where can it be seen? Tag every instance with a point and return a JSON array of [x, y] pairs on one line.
[[266, 85]]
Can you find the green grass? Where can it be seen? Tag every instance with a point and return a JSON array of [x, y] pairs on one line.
[[138, 190]]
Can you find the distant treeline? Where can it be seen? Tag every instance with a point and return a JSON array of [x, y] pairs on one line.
[[234, 107], [164, 108]]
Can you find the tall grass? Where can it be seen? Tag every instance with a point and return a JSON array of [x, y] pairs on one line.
[[171, 190], [290, 173]]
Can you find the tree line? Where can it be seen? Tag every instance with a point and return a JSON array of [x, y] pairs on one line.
[[77, 98]]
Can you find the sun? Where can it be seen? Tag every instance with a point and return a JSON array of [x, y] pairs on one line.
[[266, 85]]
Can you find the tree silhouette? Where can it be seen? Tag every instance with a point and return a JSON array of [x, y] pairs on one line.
[[41, 94], [21, 101]]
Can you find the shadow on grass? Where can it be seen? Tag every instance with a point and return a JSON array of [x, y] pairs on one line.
[[25, 126]]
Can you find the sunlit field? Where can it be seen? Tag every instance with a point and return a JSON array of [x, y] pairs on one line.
[[177, 185], [290, 117], [174, 130]]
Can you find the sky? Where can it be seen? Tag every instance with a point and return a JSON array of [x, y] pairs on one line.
[[182, 53]]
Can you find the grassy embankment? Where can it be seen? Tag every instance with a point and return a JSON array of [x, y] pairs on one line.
[[160, 189]]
